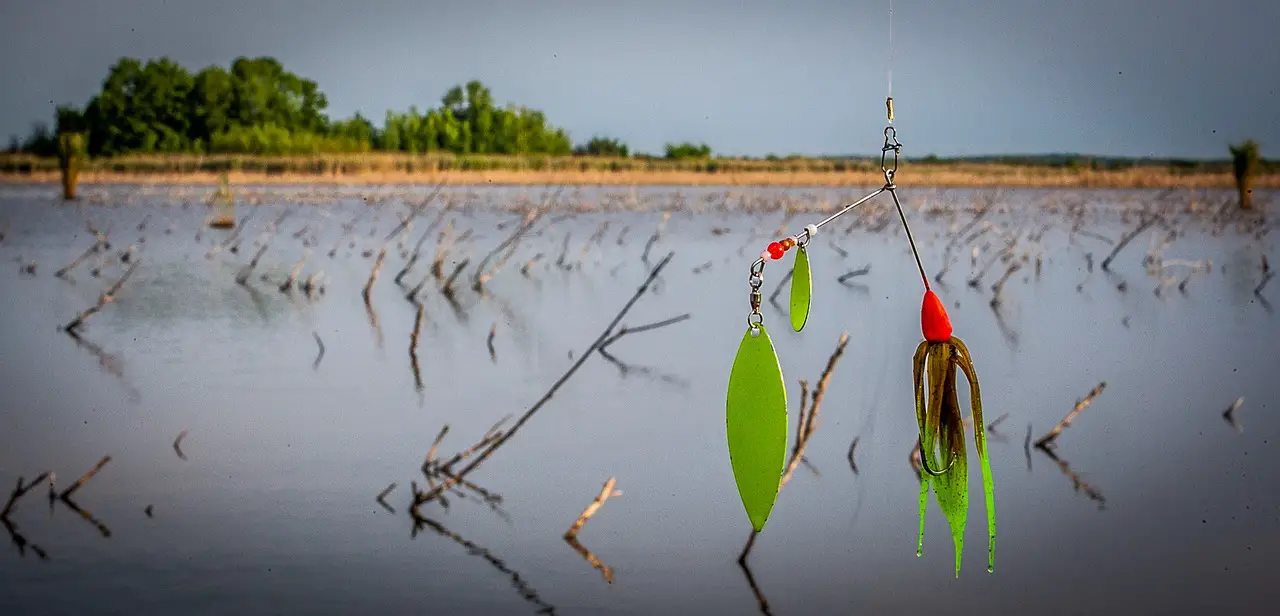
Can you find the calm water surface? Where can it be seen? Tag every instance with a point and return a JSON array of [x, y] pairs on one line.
[[273, 510]]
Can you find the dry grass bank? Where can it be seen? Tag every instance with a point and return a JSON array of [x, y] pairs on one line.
[[384, 169]]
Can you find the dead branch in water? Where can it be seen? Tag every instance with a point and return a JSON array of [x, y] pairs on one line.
[[624, 330], [493, 331], [21, 541], [89, 252], [807, 426], [1266, 277], [446, 468], [526, 592], [66, 494], [1077, 482], [373, 275], [773, 297], [999, 285], [1003, 255], [447, 288], [1101, 238], [287, 285], [955, 239], [413, 259], [413, 350], [1124, 241], [413, 213], [653, 239], [368, 303], [442, 249], [571, 535], [591, 558], [524, 269], [1081, 404], [312, 284], [111, 364], [177, 445], [19, 492], [991, 427], [412, 295], [320, 355], [592, 508], [232, 237], [604, 335], [510, 244], [243, 277], [863, 271], [382, 498], [103, 300], [1230, 415], [564, 252]]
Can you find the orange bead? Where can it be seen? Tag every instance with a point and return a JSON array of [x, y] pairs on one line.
[[788, 243], [934, 322]]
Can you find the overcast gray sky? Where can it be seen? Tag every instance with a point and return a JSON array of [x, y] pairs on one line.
[[1112, 77]]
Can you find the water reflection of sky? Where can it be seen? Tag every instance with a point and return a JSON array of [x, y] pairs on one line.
[[275, 505]]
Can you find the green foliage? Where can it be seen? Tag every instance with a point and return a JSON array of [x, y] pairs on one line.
[[1244, 158], [41, 141], [258, 107], [687, 150], [270, 139], [603, 146], [468, 123]]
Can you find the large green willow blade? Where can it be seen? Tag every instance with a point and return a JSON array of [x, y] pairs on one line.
[[801, 290], [756, 422]]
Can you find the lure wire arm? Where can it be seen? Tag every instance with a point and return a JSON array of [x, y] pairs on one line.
[[801, 239]]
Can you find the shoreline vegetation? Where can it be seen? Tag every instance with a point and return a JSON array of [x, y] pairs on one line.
[[254, 122], [381, 168]]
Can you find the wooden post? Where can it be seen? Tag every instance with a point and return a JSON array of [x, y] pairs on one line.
[[71, 149]]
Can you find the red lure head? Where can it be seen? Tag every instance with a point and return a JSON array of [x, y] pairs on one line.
[[934, 322]]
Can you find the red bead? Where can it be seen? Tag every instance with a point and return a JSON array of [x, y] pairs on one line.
[[775, 250], [934, 322]]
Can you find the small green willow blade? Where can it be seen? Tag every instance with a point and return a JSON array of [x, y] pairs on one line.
[[756, 422], [801, 290]]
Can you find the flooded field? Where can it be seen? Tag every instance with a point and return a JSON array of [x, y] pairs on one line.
[[251, 430]]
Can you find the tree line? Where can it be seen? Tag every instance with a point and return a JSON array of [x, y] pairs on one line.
[[258, 107]]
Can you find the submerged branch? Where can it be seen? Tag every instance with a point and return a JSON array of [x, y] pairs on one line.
[[1081, 404], [422, 498]]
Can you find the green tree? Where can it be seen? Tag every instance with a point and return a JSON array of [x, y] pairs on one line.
[[356, 130], [265, 93], [687, 150], [141, 108], [603, 146], [211, 102], [41, 141]]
